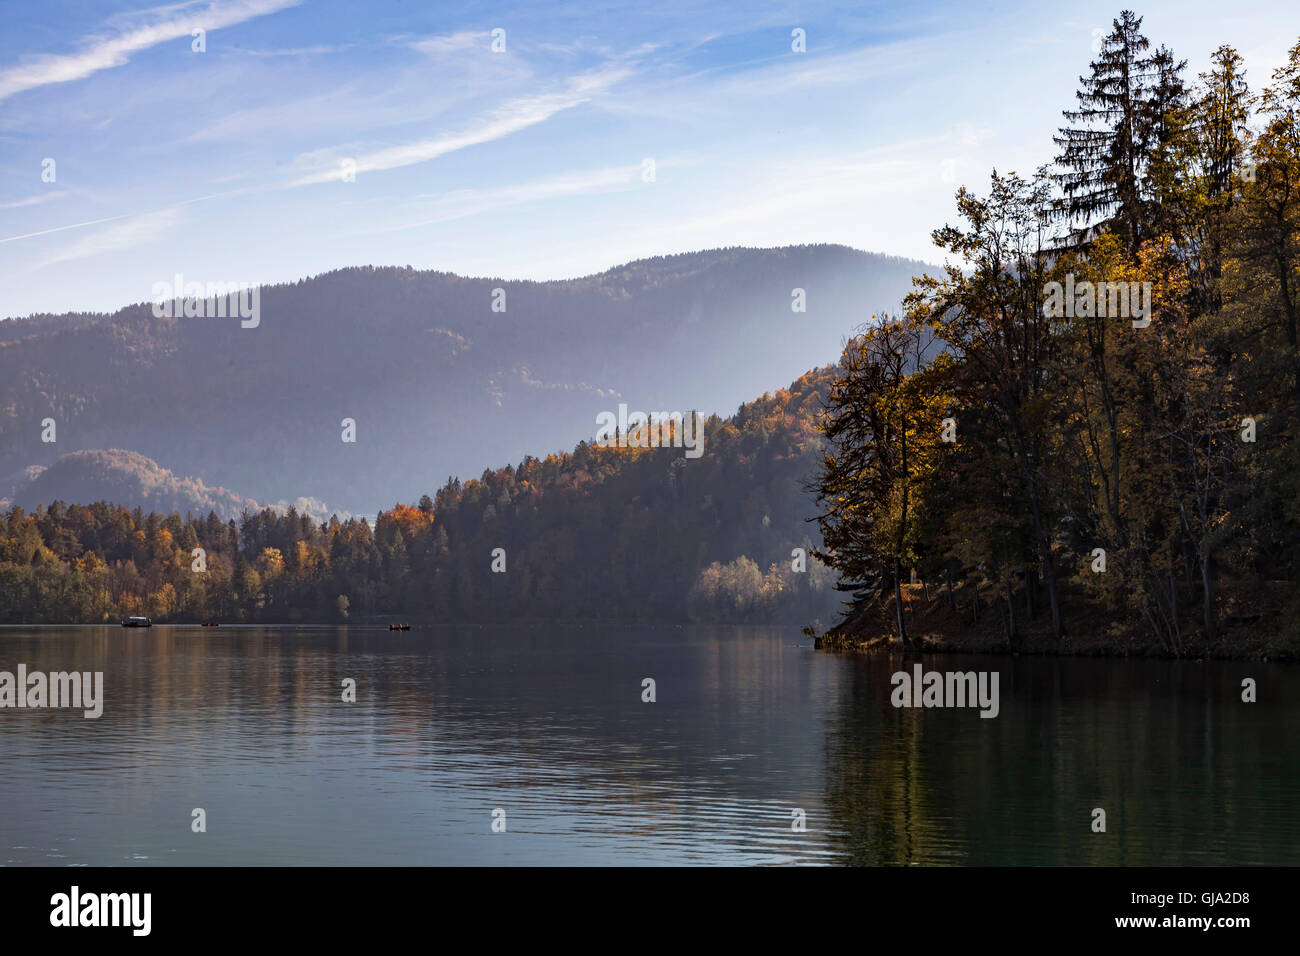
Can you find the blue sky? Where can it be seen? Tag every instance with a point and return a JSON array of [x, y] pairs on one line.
[[228, 165]]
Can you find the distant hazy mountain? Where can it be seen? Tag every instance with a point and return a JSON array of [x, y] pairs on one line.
[[126, 478], [130, 479], [437, 382]]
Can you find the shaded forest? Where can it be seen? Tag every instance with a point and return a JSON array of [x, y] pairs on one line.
[[1105, 454]]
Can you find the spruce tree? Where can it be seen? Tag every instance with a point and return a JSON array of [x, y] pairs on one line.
[[1120, 122]]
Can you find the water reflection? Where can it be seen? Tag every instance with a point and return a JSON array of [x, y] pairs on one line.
[[1187, 773], [549, 725]]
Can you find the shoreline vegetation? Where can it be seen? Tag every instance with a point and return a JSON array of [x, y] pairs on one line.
[[1086, 429], [938, 624]]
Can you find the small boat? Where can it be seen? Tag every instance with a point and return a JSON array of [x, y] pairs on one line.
[[137, 622], [399, 627], [209, 624]]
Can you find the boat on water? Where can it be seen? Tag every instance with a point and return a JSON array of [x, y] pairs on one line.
[[209, 624], [399, 627], [137, 622]]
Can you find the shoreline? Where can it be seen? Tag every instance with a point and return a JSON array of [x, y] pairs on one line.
[[940, 622]]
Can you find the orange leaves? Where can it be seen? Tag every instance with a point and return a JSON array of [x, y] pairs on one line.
[[410, 521]]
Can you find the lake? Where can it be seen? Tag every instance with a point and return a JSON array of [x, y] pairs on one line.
[[548, 725]]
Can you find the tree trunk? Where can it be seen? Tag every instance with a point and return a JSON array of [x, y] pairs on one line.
[[1288, 303], [1207, 598], [898, 603], [1053, 597], [1048, 564], [1011, 615]]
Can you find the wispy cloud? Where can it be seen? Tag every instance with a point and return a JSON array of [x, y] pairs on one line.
[[129, 231], [451, 43], [320, 50], [33, 200], [833, 191], [161, 215], [73, 225], [514, 116], [102, 53], [462, 203]]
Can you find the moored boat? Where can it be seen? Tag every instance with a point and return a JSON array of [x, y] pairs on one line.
[[137, 622]]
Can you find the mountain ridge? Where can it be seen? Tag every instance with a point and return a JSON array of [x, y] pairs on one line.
[[436, 381], [450, 274]]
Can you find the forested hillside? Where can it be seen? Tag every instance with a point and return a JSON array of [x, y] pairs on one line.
[[613, 533]]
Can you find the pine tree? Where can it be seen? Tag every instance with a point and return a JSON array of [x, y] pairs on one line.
[[1119, 124], [1223, 108]]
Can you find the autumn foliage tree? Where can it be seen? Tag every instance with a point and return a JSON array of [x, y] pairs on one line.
[[1117, 342]]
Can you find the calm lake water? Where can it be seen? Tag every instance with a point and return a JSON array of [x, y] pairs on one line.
[[548, 724]]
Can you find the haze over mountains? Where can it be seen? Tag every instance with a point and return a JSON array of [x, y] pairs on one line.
[[124, 476], [438, 383]]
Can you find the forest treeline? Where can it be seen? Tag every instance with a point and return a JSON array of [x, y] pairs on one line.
[[1106, 449], [614, 533]]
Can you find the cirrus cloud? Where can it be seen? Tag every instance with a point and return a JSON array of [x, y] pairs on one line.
[[103, 53]]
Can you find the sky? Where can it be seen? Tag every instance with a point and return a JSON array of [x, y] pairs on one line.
[[521, 141]]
